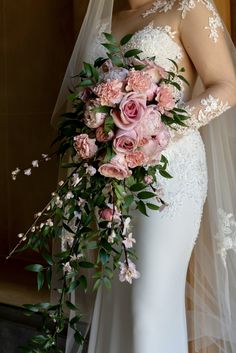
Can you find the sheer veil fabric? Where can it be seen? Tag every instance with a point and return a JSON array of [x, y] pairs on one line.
[[211, 284]]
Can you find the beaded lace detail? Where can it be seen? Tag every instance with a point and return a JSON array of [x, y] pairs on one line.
[[187, 165], [210, 108], [226, 235], [158, 42], [214, 20]]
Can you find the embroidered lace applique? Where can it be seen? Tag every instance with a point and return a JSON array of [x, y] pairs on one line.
[[214, 21], [226, 235], [157, 42], [210, 108]]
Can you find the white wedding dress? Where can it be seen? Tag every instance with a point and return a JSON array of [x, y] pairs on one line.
[[149, 316]]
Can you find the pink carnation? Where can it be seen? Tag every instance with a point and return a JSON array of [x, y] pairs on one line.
[[85, 146], [164, 98], [138, 81], [117, 168], [110, 92]]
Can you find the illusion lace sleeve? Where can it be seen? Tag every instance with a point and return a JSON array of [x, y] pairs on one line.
[[203, 37]]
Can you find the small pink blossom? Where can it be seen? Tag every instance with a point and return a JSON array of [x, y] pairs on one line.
[[148, 179], [129, 241], [163, 137], [138, 81], [101, 136], [132, 108], [125, 141], [135, 159], [128, 272], [85, 146], [110, 213], [165, 99], [110, 92], [117, 168]]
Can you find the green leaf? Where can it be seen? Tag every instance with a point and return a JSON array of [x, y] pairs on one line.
[[109, 154], [31, 307], [34, 268], [132, 52], [83, 282], [86, 264], [40, 280], [183, 79], [103, 256], [139, 67], [107, 282], [153, 207], [88, 70], [73, 285], [71, 306], [108, 124], [97, 284], [142, 208], [175, 64], [165, 174], [175, 84], [48, 258], [126, 39], [137, 187], [116, 60], [111, 47], [102, 109], [146, 195], [129, 199], [78, 338], [68, 228], [86, 83], [110, 37]]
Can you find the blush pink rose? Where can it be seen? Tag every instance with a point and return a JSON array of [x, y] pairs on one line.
[[155, 71], [117, 168], [85, 146], [138, 81], [163, 137], [165, 99], [132, 108], [150, 124], [135, 159], [125, 141], [93, 119], [101, 136], [151, 152], [110, 92]]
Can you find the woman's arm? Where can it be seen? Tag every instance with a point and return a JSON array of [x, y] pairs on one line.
[[204, 39]]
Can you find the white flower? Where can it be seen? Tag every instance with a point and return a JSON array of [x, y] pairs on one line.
[[49, 208], [91, 170], [76, 257], [76, 179], [81, 202], [128, 273], [39, 214], [44, 155], [33, 229], [20, 235], [126, 225], [111, 237], [14, 173], [58, 202], [129, 241], [77, 214], [67, 267], [67, 239], [27, 171], [41, 225], [61, 183], [35, 163], [69, 195], [49, 222]]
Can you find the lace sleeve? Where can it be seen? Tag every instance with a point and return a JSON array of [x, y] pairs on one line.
[[203, 37]]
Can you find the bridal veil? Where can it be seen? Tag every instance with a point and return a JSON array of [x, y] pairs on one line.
[[211, 282]]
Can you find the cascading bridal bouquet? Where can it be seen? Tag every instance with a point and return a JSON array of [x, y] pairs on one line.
[[123, 112]]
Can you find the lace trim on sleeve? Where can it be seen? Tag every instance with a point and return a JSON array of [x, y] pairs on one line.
[[210, 108]]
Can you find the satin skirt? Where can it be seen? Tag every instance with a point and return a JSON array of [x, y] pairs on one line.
[[149, 316]]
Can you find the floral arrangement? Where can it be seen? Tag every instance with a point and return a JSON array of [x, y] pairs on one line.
[[111, 146]]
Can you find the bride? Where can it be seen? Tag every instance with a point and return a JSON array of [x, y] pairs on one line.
[[150, 316]]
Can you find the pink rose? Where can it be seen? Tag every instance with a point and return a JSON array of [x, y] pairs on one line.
[[151, 152], [111, 72], [106, 214], [132, 107], [138, 81], [85, 146], [163, 137], [125, 141], [135, 159], [101, 136], [93, 119], [150, 124], [165, 99], [117, 168], [155, 71], [110, 92]]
